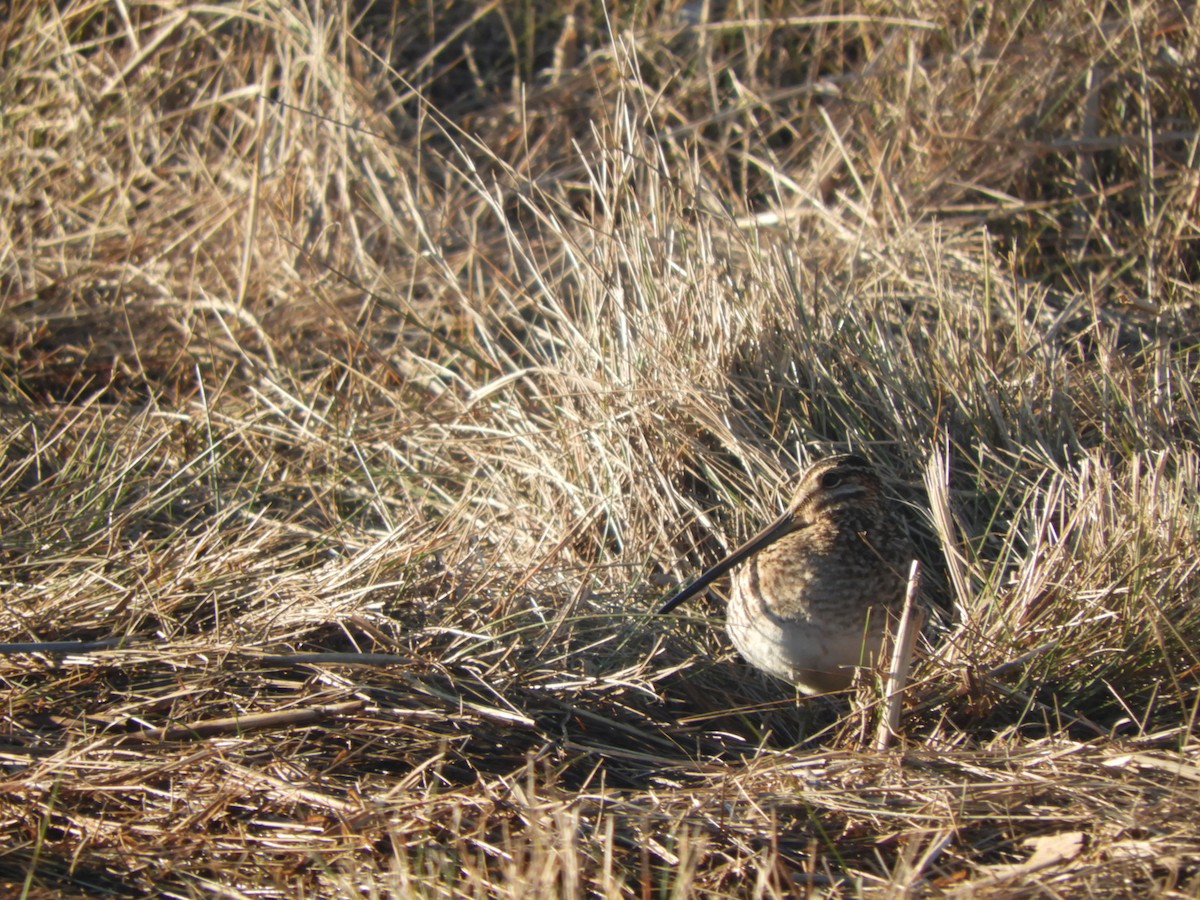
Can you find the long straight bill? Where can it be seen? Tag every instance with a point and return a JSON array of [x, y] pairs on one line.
[[769, 535]]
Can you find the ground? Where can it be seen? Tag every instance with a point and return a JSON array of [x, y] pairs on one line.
[[370, 373]]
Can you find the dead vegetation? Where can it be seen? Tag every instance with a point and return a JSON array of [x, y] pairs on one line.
[[369, 373]]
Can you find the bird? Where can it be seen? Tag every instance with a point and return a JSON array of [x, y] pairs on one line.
[[814, 590]]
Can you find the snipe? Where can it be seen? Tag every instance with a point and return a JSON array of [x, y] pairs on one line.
[[813, 599]]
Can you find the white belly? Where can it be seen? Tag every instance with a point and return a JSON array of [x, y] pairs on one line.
[[814, 658]]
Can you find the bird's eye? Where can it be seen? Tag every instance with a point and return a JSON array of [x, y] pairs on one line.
[[831, 479]]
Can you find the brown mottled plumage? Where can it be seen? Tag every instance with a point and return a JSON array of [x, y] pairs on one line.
[[813, 598]]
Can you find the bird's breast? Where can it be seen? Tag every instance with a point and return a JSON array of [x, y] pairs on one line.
[[809, 611]]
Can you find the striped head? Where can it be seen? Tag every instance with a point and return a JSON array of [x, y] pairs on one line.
[[835, 489], [836, 495]]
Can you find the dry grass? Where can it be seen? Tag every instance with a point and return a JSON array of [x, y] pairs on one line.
[[369, 373]]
